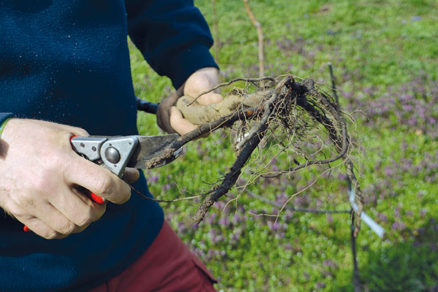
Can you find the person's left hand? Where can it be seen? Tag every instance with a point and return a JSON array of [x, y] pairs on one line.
[[170, 119]]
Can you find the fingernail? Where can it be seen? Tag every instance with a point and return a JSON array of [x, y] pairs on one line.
[[26, 229]]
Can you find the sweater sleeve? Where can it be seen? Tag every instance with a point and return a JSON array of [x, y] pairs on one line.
[[3, 119], [172, 35]]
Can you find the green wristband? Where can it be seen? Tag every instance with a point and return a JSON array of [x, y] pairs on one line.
[[3, 126]]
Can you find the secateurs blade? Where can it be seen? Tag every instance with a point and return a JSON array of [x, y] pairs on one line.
[[117, 153]]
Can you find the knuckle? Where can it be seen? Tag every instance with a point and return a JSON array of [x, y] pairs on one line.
[[80, 229], [21, 203], [84, 219], [48, 234], [65, 227], [104, 185], [79, 131]]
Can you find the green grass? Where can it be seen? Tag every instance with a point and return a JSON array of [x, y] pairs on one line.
[[382, 45]]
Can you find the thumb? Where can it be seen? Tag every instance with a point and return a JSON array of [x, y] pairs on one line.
[[178, 123], [131, 175]]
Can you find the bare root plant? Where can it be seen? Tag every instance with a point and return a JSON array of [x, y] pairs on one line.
[[301, 124]]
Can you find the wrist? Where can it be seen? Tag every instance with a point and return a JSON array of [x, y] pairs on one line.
[[3, 121], [3, 145], [182, 65]]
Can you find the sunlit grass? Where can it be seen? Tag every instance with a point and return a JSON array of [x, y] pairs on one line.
[[376, 48]]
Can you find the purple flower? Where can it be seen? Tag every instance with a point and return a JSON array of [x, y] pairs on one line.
[[329, 219], [389, 171], [329, 264], [407, 107], [342, 176], [397, 212], [273, 226], [181, 228], [216, 239], [320, 285], [153, 178], [235, 236], [219, 204], [211, 219], [281, 197], [398, 226], [224, 220], [382, 217], [236, 218]]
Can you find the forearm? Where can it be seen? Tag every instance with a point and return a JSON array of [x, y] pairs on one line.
[[172, 35]]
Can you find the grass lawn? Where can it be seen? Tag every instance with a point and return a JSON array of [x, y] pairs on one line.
[[385, 56]]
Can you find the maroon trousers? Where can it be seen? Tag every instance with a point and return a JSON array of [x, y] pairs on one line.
[[167, 265]]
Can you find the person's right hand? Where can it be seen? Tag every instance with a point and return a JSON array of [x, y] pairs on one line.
[[170, 119], [40, 175]]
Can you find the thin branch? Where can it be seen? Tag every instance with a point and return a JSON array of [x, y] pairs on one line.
[[260, 37], [332, 77], [250, 80], [349, 164], [356, 278]]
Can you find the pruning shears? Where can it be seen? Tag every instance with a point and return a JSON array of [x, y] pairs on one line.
[[117, 153]]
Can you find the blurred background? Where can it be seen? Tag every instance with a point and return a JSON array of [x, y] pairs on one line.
[[385, 60]]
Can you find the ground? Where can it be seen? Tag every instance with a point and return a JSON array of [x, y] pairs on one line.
[[385, 55]]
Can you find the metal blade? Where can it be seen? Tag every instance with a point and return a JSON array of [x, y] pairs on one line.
[[151, 146]]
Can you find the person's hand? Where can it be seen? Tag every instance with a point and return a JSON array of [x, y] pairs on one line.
[[170, 119], [40, 178]]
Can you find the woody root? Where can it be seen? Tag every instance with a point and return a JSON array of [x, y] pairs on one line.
[[281, 119]]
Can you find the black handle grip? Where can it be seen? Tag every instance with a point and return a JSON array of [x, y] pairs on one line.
[[147, 106]]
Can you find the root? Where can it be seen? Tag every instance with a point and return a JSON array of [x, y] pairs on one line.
[[200, 114], [287, 113]]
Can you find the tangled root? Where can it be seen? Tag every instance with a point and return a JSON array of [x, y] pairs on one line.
[[293, 115]]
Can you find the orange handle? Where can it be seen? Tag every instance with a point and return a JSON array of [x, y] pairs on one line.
[[97, 198]]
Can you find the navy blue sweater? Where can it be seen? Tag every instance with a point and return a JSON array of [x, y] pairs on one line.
[[67, 61]]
